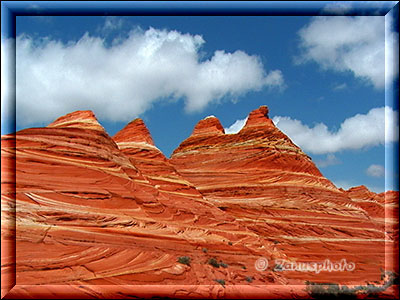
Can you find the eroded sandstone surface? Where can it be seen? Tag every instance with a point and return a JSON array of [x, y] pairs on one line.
[[262, 178], [82, 208]]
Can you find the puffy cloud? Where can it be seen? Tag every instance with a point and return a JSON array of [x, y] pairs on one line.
[[121, 81], [378, 126], [358, 7], [376, 171], [112, 23], [391, 50], [330, 160], [338, 8], [7, 84], [236, 127], [355, 44]]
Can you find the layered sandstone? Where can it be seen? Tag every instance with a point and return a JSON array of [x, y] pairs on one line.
[[93, 212], [174, 192], [262, 178], [84, 119], [371, 202], [98, 211], [209, 125]]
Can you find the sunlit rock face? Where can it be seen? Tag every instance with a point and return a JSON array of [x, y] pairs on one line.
[[105, 211], [383, 209], [91, 209], [208, 126], [173, 191], [84, 119], [261, 177]]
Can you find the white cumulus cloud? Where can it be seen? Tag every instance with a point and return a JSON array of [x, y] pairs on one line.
[[112, 23], [359, 7], [355, 44], [376, 171], [330, 160], [338, 8], [121, 81], [236, 127], [7, 81], [378, 126]]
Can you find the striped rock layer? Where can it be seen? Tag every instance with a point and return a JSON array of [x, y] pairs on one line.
[[263, 179], [95, 210], [89, 210]]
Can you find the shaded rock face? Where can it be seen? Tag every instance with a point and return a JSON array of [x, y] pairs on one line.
[[91, 209]]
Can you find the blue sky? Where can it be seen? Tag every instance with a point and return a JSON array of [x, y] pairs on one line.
[[307, 70]]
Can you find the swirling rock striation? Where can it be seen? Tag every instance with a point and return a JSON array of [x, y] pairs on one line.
[[93, 212], [262, 178]]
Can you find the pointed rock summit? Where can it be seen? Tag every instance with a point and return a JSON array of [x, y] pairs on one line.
[[361, 193], [259, 145], [209, 125], [371, 202], [261, 177], [135, 141], [119, 213], [258, 162], [136, 131], [84, 119], [259, 117]]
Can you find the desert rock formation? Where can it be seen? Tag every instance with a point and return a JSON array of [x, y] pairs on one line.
[[262, 178], [87, 211]]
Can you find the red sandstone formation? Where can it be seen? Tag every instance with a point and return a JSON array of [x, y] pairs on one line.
[[79, 119], [91, 210], [209, 125], [95, 212], [136, 132], [262, 178]]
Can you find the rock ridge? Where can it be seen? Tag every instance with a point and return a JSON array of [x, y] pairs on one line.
[[114, 211], [84, 119], [209, 125]]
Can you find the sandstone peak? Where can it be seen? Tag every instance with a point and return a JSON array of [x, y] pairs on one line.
[[135, 131], [84, 119], [359, 188], [209, 125], [259, 145], [101, 211], [259, 117], [362, 192]]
